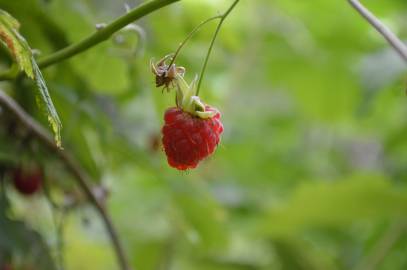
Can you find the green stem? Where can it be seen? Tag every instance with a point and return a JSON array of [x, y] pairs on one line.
[[99, 36], [190, 35], [223, 17]]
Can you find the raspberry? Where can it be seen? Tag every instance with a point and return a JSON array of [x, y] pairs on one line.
[[27, 181], [188, 139]]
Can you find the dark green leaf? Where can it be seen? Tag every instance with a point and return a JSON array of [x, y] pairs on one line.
[[22, 54]]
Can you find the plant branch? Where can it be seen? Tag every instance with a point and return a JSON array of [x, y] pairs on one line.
[[222, 19], [391, 38], [72, 166], [97, 37]]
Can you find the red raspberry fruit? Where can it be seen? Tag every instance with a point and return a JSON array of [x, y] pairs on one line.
[[27, 181], [188, 139]]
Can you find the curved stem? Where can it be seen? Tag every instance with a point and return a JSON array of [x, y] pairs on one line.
[[190, 35], [391, 38], [99, 36], [223, 17], [72, 166]]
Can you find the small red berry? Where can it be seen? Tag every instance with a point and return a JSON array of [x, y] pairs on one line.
[[27, 181], [188, 139]]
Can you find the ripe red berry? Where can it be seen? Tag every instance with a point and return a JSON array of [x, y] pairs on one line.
[[188, 139], [27, 181]]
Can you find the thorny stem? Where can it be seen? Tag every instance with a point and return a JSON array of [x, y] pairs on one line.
[[223, 17], [391, 38], [97, 37], [80, 176], [190, 35]]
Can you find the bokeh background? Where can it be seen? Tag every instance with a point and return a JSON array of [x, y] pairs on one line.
[[311, 172]]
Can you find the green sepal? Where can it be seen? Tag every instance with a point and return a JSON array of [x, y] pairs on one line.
[[187, 99]]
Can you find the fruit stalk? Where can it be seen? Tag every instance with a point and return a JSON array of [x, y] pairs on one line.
[[181, 45], [222, 19]]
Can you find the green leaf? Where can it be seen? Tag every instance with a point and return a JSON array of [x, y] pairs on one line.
[[45, 101], [21, 52], [17, 45]]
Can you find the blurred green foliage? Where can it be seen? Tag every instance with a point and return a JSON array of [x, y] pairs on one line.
[[311, 170]]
